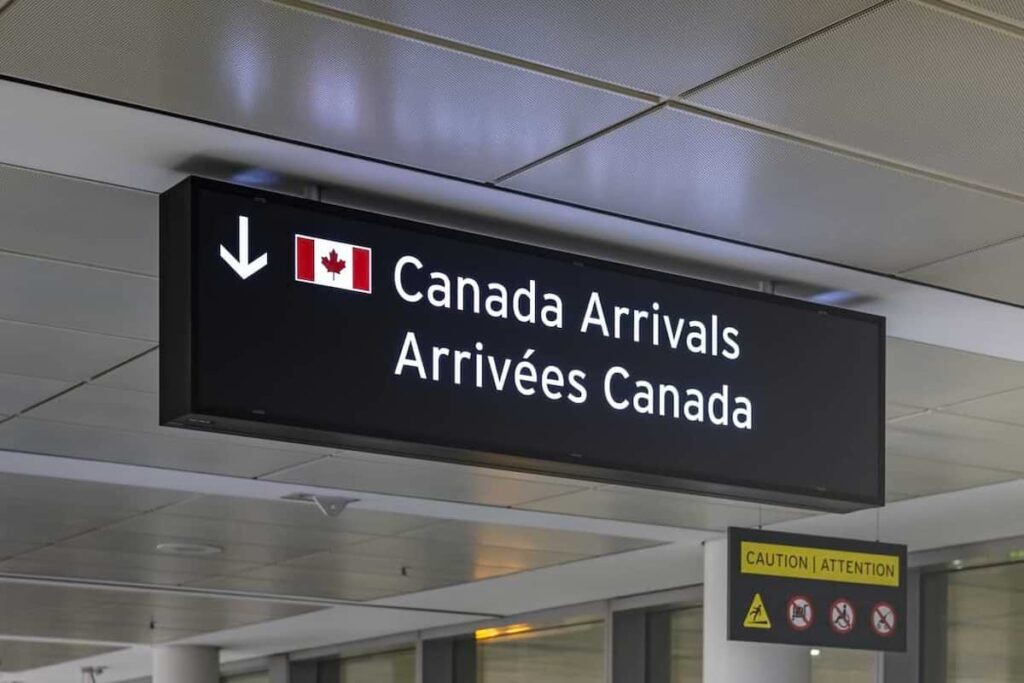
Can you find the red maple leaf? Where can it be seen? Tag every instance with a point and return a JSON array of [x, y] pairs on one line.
[[332, 263]]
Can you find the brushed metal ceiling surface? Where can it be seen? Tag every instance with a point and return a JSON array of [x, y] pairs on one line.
[[61, 354], [906, 81], [52, 611], [993, 272], [692, 171], [271, 69], [90, 223], [21, 655], [665, 46]]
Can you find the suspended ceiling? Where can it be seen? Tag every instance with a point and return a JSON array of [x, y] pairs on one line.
[[876, 135]]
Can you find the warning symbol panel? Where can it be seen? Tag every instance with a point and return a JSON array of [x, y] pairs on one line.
[[814, 591], [883, 619], [757, 614], [800, 613]]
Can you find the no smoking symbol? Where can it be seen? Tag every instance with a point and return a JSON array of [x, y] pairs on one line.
[[883, 619], [799, 613]]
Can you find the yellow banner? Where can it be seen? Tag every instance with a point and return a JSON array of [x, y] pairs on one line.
[[821, 564]]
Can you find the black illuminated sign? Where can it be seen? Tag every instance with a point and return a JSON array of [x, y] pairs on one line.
[[794, 589], [300, 321]]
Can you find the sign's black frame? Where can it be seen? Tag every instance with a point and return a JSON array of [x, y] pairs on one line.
[[776, 591], [178, 220]]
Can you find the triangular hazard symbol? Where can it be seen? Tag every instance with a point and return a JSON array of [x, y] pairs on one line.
[[757, 615]]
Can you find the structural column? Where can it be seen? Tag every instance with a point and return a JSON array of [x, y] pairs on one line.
[[727, 661], [186, 664]]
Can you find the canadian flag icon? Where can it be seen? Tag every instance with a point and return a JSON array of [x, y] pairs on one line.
[[332, 264]]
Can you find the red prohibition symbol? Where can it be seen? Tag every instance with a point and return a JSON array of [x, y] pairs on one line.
[[800, 613], [883, 619], [842, 616]]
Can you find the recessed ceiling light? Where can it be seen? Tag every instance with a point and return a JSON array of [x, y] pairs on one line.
[[191, 549], [815, 652], [957, 564]]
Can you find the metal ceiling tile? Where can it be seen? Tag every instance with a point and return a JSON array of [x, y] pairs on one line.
[[407, 477], [298, 514], [427, 566], [40, 351], [911, 477], [528, 538], [53, 611], [107, 407], [142, 375], [932, 376], [77, 220], [18, 392], [338, 584], [1006, 10], [85, 496], [77, 297], [271, 69], [226, 532], [994, 272], [36, 523], [21, 655], [411, 550], [232, 548], [93, 572], [699, 173], [1005, 407], [669, 509], [942, 437], [667, 47], [69, 560], [905, 82], [185, 452], [895, 410]]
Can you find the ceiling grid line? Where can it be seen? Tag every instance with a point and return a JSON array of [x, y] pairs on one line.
[[974, 15], [352, 18], [78, 385], [779, 50]]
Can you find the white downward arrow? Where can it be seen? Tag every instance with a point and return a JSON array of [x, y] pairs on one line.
[[242, 265]]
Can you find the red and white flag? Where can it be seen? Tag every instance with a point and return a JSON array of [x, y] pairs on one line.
[[332, 264]]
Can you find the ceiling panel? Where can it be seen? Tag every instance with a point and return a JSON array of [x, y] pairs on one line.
[[897, 410], [18, 392], [994, 272], [75, 220], [427, 565], [460, 532], [694, 172], [21, 655], [55, 611], [960, 440], [1006, 10], [40, 351], [411, 550], [234, 547], [76, 561], [408, 477], [185, 452], [264, 67], [656, 507], [667, 48], [82, 298], [102, 406], [1004, 407], [139, 375], [932, 376], [298, 514], [72, 495], [911, 477], [904, 81], [287, 540]]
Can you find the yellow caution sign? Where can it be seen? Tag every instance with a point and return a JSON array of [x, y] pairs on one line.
[[821, 564], [757, 615]]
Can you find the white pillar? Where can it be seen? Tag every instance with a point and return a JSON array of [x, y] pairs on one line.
[[186, 664], [727, 661]]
